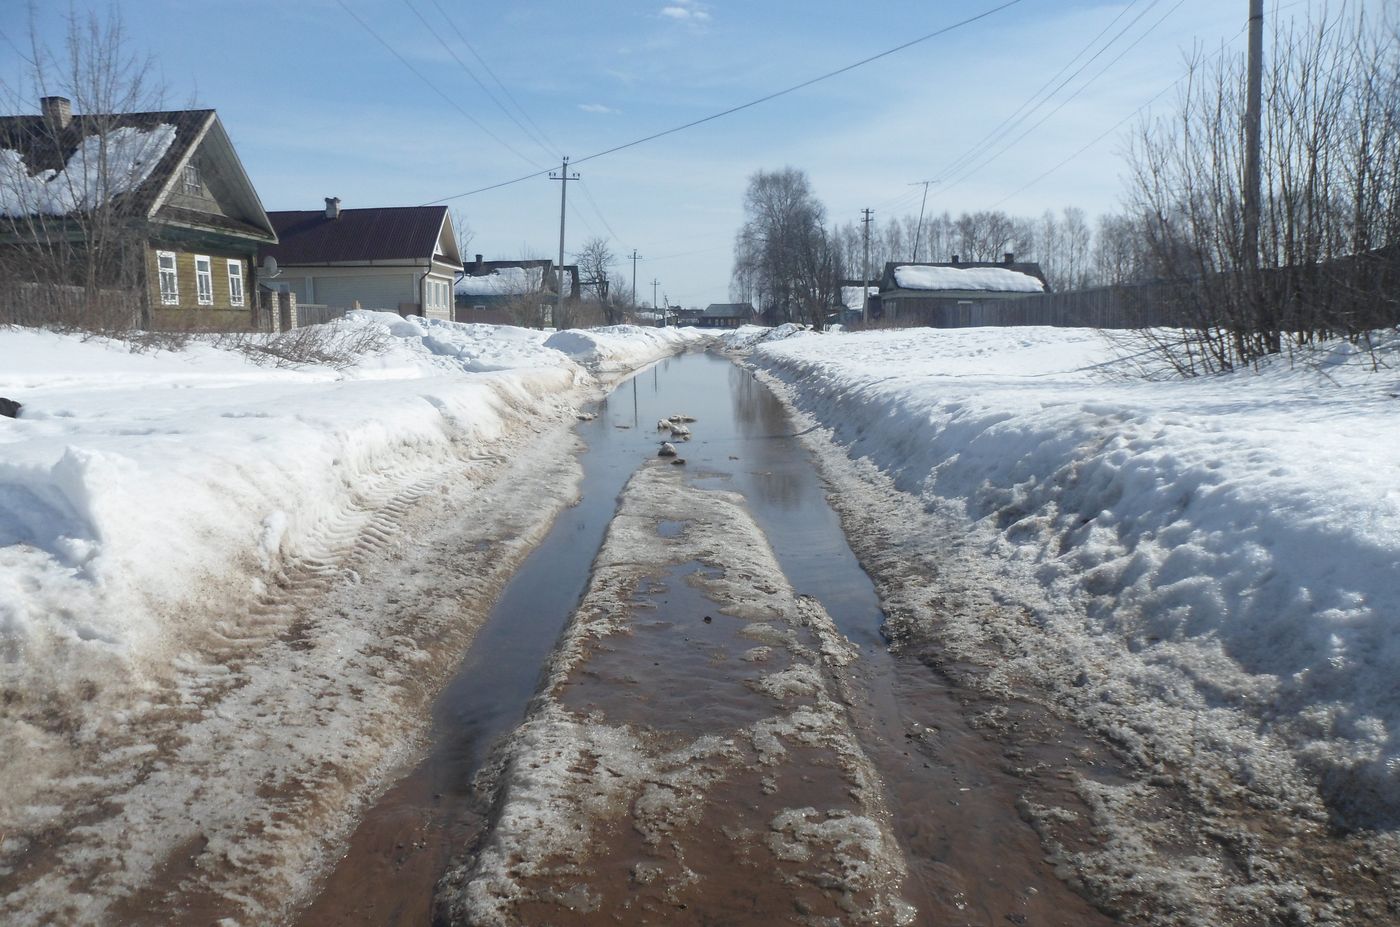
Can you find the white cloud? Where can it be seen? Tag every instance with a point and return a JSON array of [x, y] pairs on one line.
[[597, 108], [686, 11]]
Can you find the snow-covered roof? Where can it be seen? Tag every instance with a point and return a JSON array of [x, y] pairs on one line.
[[504, 281], [990, 279], [851, 296], [103, 166]]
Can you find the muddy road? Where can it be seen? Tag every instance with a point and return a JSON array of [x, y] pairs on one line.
[[682, 711]]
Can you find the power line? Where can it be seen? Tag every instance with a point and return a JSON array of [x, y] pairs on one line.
[[1067, 100], [752, 103], [487, 68], [996, 133], [588, 195], [436, 89], [472, 74], [1119, 124]]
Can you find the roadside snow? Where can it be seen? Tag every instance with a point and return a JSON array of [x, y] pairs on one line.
[[1209, 567], [623, 347], [148, 499]]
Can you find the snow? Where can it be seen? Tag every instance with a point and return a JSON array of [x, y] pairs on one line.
[[993, 279], [1209, 567], [144, 494], [623, 347], [103, 166], [504, 281], [745, 337], [852, 297]]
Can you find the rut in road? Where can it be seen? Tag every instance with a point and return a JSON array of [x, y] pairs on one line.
[[690, 757]]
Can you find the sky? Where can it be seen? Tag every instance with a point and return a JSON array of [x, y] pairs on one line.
[[374, 101]]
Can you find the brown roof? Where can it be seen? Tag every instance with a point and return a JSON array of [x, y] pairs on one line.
[[387, 233], [45, 148]]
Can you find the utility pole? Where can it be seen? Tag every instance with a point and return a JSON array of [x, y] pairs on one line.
[[634, 276], [654, 284], [919, 229], [1252, 118], [867, 217], [563, 177]]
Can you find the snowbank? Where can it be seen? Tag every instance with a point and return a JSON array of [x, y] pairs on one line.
[[623, 347], [141, 494], [1221, 552], [746, 337]]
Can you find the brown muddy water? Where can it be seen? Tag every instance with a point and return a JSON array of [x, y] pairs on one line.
[[952, 787]]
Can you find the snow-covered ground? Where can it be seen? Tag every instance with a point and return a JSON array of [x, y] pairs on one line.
[[154, 509], [1205, 571]]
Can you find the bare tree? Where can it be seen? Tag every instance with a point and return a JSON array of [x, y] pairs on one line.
[[72, 254], [784, 258], [1330, 227], [595, 264]]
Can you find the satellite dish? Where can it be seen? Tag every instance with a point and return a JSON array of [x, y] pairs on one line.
[[270, 268]]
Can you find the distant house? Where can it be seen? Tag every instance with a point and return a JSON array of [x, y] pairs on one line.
[[854, 294], [170, 181], [725, 315], [689, 316], [400, 259], [954, 294], [511, 292]]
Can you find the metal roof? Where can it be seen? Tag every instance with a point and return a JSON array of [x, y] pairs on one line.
[[388, 233]]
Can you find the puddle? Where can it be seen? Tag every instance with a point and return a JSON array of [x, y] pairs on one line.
[[972, 859]]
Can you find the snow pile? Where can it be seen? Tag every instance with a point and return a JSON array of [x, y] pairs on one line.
[[993, 279], [102, 167], [1207, 562], [141, 493], [623, 347], [746, 337], [503, 281]]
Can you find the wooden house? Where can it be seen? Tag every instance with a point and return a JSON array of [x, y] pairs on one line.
[[725, 315], [168, 184], [398, 258], [955, 294], [520, 292]]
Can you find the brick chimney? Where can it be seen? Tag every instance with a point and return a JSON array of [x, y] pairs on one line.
[[1010, 257], [478, 268], [58, 111], [332, 207], [955, 259]]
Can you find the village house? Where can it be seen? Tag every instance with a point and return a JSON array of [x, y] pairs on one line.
[[725, 315], [159, 199], [400, 259], [520, 292], [956, 294]]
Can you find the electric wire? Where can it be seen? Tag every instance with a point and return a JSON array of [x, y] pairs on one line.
[[487, 68], [1007, 125], [1066, 101], [1173, 85], [598, 212], [477, 80], [752, 103], [436, 89]]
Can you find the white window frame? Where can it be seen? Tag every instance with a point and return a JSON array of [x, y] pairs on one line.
[[169, 294], [194, 186], [235, 282], [203, 280]]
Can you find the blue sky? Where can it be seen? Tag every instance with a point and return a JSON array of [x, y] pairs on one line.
[[318, 107]]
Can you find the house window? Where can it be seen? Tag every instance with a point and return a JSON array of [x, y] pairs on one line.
[[169, 280], [193, 185], [204, 279], [235, 283]]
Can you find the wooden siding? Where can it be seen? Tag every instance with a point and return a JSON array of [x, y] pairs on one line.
[[188, 314]]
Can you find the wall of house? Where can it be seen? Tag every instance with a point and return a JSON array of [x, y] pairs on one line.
[[188, 314]]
